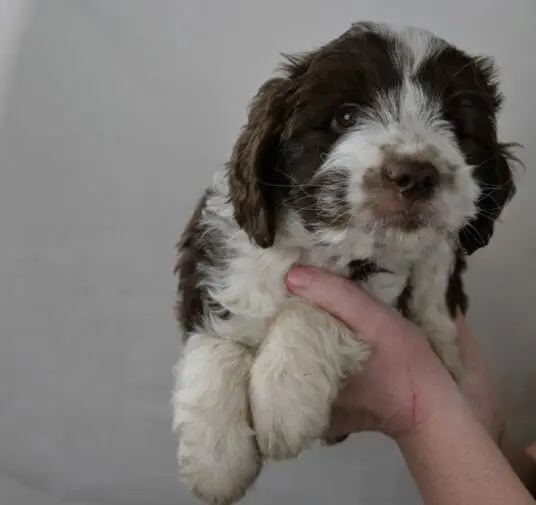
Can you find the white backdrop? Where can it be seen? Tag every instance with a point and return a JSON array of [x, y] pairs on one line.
[[116, 114]]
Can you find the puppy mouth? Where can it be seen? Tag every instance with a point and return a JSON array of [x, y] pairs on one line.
[[394, 211], [407, 221]]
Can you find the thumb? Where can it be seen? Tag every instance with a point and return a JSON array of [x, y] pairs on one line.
[[345, 300]]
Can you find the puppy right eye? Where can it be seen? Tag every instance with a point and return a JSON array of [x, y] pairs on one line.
[[346, 117]]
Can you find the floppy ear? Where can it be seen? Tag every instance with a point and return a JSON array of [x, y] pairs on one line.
[[492, 160], [252, 170], [497, 188]]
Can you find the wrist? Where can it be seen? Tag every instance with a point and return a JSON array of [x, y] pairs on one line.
[[437, 402], [452, 455]]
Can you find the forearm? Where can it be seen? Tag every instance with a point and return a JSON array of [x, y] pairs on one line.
[[455, 462]]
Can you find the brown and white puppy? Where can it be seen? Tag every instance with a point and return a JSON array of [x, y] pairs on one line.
[[376, 157]]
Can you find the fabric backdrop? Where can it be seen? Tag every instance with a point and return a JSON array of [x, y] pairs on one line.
[[115, 115]]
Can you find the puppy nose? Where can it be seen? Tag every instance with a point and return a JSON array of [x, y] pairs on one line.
[[415, 180]]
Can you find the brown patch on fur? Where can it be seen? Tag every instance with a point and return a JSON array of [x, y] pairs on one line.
[[353, 68], [302, 157], [494, 175], [469, 91], [196, 252], [456, 297], [253, 176], [292, 110], [360, 270]]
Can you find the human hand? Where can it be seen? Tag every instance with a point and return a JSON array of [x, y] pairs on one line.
[[404, 384]]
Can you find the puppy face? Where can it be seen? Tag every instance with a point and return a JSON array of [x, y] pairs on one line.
[[382, 130]]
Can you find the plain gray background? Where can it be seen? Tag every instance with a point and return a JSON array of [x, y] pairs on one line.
[[117, 112]]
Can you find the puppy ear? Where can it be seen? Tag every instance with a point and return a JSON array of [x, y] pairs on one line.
[[497, 188], [252, 170], [492, 160]]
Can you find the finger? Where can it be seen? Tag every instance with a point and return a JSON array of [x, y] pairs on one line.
[[345, 300]]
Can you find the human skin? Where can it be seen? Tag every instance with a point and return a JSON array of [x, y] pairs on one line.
[[450, 435]]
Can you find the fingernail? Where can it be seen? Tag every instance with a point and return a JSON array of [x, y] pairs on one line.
[[300, 277]]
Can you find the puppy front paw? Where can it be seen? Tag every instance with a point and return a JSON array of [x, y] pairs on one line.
[[289, 413], [218, 468], [296, 376], [217, 452]]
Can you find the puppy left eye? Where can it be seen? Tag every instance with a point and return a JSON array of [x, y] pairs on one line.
[[346, 116]]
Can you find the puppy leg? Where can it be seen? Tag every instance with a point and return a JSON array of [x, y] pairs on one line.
[[217, 453], [296, 376], [429, 307]]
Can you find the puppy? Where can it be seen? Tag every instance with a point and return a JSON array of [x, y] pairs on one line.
[[375, 157]]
